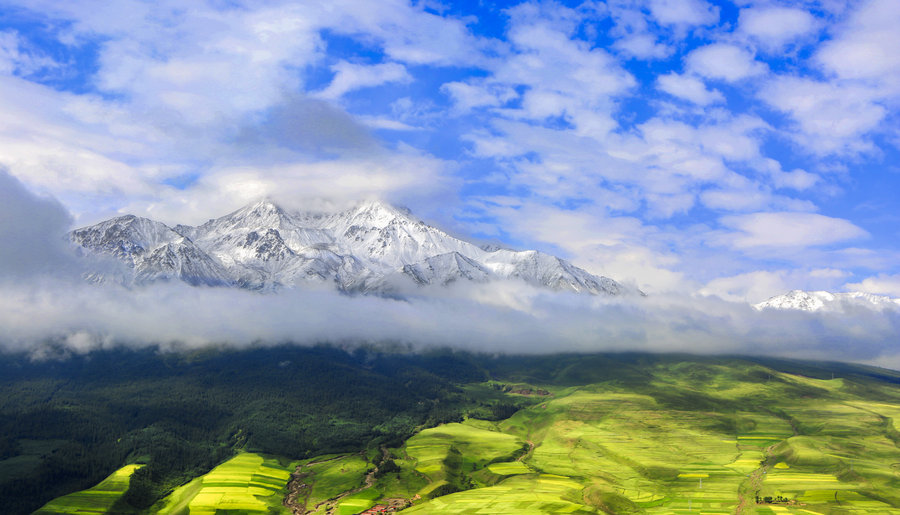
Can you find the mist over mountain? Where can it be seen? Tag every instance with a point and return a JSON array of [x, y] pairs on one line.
[[151, 285]]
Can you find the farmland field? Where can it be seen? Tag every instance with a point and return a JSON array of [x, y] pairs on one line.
[[692, 438], [596, 434], [99, 499], [247, 483]]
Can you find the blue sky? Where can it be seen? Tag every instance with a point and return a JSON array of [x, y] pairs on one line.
[[738, 149]]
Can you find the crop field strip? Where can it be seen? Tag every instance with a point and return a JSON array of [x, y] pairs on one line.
[[691, 440], [98, 499], [248, 483]]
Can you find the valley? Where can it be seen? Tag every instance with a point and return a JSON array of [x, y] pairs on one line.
[[615, 433]]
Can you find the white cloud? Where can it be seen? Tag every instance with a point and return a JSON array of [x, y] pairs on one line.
[[828, 273], [16, 58], [736, 199], [410, 178], [561, 76], [350, 77], [621, 247], [795, 179], [748, 287], [724, 62], [859, 88], [772, 27], [79, 318], [776, 230], [642, 46], [865, 47], [201, 92], [883, 284], [472, 95], [760, 285], [72, 147], [634, 34], [688, 88], [684, 12], [831, 117], [663, 165], [385, 123]]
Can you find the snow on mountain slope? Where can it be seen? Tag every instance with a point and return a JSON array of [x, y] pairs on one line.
[[447, 268], [153, 250], [264, 247], [826, 301], [542, 269], [364, 249], [126, 237], [390, 238], [183, 260]]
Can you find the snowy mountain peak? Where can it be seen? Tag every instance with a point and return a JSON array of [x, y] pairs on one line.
[[371, 247], [261, 214], [813, 301], [377, 214], [125, 236]]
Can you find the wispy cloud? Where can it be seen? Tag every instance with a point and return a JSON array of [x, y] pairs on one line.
[[788, 230]]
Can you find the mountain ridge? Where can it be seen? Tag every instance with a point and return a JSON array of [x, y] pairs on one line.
[[372, 247], [825, 301]]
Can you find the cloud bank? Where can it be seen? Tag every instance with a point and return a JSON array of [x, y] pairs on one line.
[[48, 310], [49, 317]]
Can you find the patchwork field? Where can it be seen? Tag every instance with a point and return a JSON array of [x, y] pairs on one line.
[[247, 483], [693, 439], [526, 495], [713, 437], [98, 499], [331, 476], [451, 449]]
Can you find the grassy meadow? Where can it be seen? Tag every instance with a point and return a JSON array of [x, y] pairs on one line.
[[714, 438]]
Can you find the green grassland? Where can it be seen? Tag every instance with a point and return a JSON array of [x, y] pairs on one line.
[[670, 437], [330, 477], [533, 494], [446, 451], [608, 434], [98, 499], [247, 483]]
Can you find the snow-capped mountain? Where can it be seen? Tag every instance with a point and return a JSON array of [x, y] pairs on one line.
[[827, 301], [152, 250], [372, 247]]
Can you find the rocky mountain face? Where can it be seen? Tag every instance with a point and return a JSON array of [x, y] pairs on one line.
[[373, 247], [826, 301]]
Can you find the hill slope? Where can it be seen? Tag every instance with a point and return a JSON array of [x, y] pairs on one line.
[[615, 433]]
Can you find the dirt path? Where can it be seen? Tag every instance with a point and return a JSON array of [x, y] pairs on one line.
[[747, 496], [298, 491], [528, 452], [298, 488]]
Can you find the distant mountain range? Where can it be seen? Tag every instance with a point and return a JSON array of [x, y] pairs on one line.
[[826, 301], [372, 248]]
